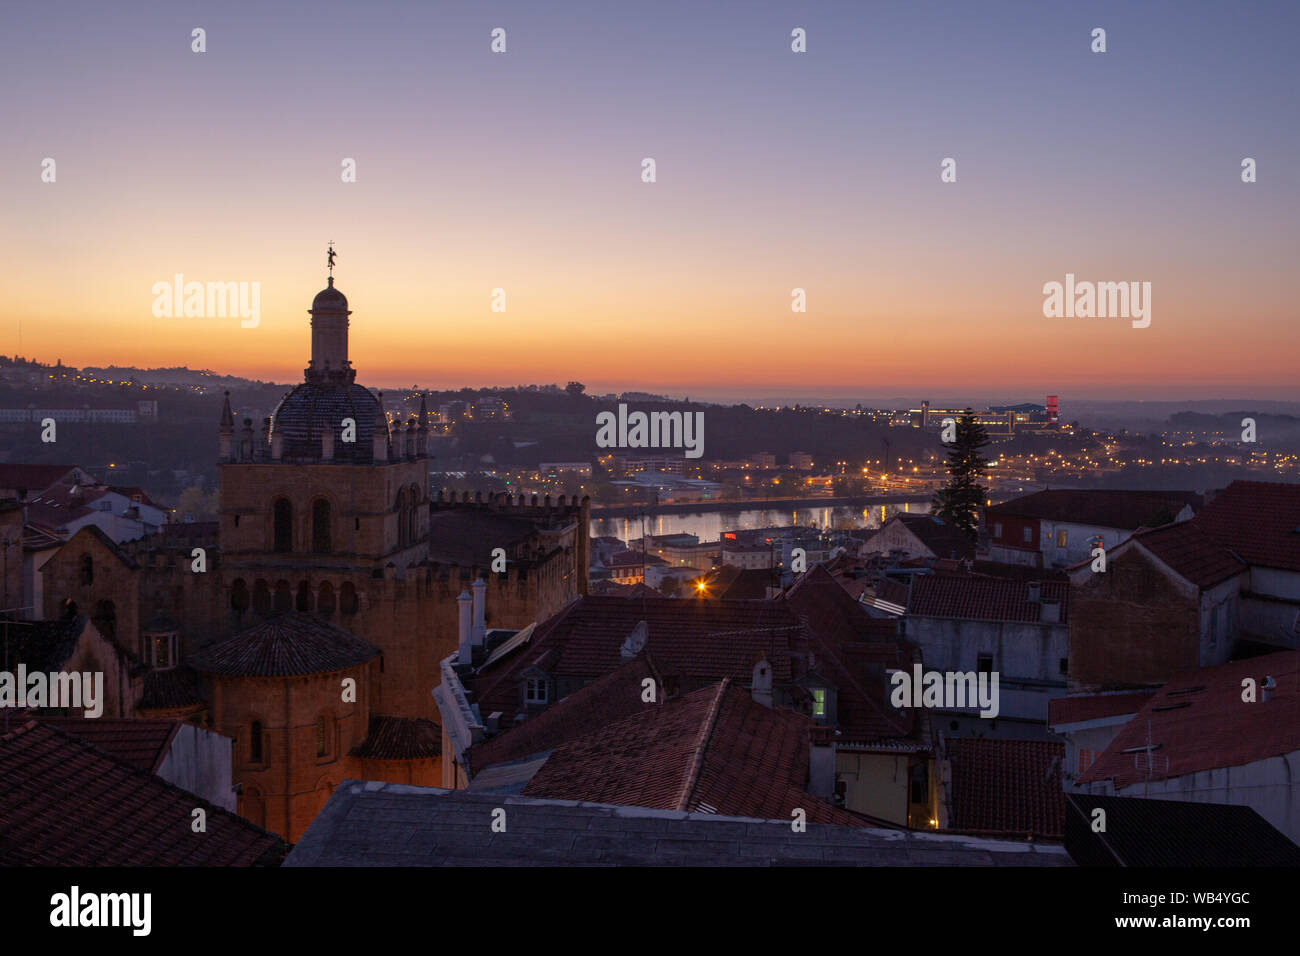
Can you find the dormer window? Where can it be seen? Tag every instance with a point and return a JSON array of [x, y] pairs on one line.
[[159, 649], [535, 691], [819, 702]]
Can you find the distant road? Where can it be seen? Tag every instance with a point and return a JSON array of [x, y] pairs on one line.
[[752, 504]]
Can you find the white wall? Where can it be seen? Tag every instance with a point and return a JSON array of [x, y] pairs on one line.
[[200, 761]]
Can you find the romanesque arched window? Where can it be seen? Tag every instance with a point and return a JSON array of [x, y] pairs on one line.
[[413, 517], [348, 600], [283, 525], [283, 597], [325, 601], [320, 526], [262, 598], [239, 596], [402, 508], [303, 603]]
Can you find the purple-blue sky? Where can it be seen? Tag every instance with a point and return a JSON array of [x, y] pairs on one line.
[[776, 170]]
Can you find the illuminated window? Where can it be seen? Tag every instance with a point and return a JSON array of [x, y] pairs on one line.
[[1061, 537], [819, 702]]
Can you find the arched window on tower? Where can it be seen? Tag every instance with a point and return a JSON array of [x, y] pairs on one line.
[[402, 508], [283, 525], [413, 517], [283, 598], [325, 599], [87, 570], [303, 602], [348, 599], [320, 526]]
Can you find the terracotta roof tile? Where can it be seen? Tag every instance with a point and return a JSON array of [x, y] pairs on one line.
[[983, 598], [1198, 721], [65, 803], [1192, 553], [1085, 707], [1259, 520], [400, 738], [715, 749], [285, 646], [141, 742], [1007, 786], [1126, 510]]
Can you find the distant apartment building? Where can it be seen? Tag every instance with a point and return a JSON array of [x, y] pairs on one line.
[[997, 419], [801, 461], [1062, 527]]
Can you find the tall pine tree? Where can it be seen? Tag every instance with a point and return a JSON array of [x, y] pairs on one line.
[[960, 500]]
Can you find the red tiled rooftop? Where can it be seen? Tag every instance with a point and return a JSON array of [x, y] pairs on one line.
[[1007, 786], [602, 702], [1125, 510], [65, 803], [715, 749], [141, 742], [1259, 520], [400, 738], [1085, 707], [285, 646], [983, 598], [1198, 721], [1192, 553]]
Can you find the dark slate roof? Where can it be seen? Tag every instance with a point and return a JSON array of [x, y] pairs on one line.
[[400, 738], [139, 741], [1142, 832], [1126, 510], [306, 412], [1007, 786], [170, 689], [285, 646], [387, 824], [63, 802]]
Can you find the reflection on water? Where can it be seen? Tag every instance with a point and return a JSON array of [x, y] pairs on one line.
[[709, 525]]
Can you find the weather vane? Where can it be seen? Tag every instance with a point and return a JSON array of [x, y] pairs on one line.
[[331, 254]]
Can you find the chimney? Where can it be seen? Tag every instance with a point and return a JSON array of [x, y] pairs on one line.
[[478, 634], [762, 685], [463, 605], [1035, 592], [636, 641], [821, 762], [1268, 687]]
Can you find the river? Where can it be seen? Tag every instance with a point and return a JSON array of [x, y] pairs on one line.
[[709, 525]]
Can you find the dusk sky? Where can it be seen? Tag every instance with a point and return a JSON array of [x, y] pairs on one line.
[[775, 170]]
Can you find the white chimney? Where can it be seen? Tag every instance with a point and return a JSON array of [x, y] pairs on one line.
[[636, 641], [478, 634], [463, 605], [762, 685]]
